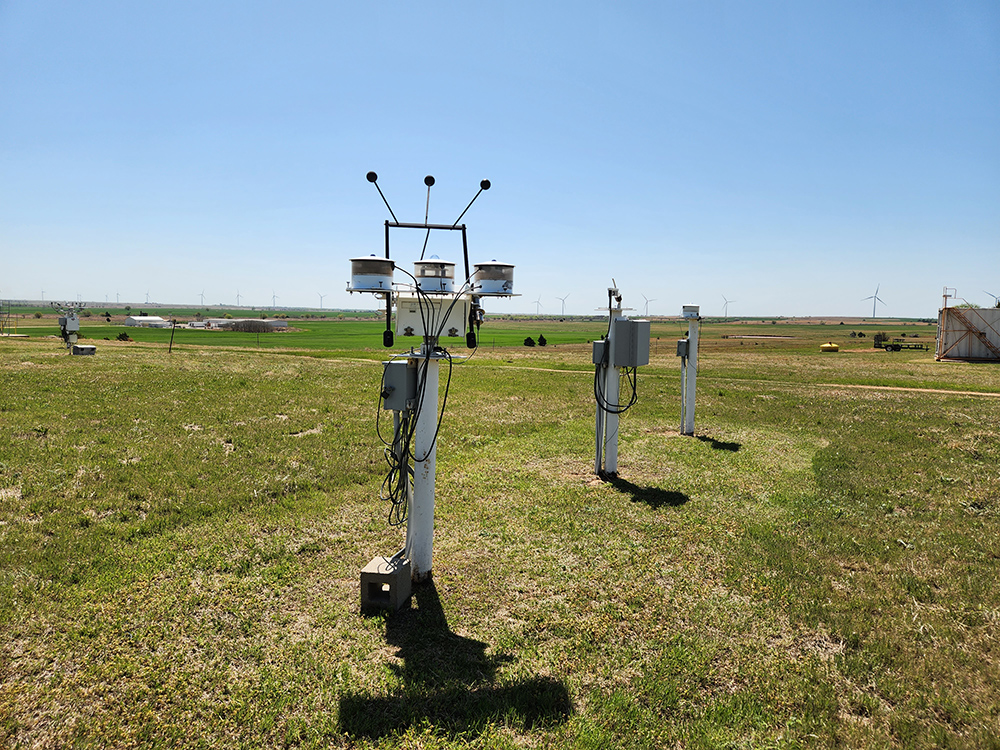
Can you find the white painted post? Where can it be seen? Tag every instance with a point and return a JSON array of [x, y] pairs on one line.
[[612, 382], [690, 377], [420, 515], [599, 433]]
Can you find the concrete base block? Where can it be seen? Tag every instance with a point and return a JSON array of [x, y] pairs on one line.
[[84, 349], [385, 584]]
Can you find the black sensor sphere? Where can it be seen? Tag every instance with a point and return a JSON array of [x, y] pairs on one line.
[[485, 184], [429, 180], [371, 177]]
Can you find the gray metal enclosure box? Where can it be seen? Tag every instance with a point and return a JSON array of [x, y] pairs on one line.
[[599, 346], [631, 347], [399, 384]]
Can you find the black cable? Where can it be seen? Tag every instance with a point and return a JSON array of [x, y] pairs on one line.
[[601, 398], [444, 404]]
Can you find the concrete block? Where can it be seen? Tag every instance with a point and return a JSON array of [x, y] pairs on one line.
[[385, 584], [84, 349]]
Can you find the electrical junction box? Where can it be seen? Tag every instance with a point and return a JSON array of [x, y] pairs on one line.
[[399, 384], [682, 347], [599, 349], [689, 311], [70, 323], [631, 343], [435, 311]]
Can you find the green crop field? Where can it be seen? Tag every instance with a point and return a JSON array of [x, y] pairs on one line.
[[181, 536]]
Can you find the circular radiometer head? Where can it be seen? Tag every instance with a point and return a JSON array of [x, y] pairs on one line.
[[371, 176], [485, 184], [429, 180]]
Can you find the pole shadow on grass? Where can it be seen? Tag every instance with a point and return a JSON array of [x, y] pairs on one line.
[[449, 682], [719, 445], [654, 497]]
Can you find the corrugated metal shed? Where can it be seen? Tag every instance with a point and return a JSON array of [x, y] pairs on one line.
[[968, 333]]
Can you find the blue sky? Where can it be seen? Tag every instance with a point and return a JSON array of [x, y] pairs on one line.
[[790, 156]]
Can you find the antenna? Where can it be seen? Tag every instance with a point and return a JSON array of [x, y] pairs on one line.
[[373, 179], [648, 300], [875, 299], [483, 185], [428, 181], [563, 300]]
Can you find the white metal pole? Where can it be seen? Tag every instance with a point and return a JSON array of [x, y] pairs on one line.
[[420, 517], [599, 427], [684, 361], [691, 376], [613, 375]]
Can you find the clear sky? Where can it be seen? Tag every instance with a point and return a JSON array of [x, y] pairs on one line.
[[789, 156]]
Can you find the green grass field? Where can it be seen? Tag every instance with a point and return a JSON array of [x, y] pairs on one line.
[[181, 537]]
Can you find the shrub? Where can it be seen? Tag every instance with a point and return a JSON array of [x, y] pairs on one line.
[[541, 340], [124, 337], [529, 341]]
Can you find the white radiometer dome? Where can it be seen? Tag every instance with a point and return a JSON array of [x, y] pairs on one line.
[[371, 274], [494, 278], [435, 275]]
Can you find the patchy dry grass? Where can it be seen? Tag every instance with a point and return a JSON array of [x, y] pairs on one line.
[[181, 536]]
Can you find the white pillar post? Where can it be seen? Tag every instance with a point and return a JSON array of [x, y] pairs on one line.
[[420, 515], [689, 381], [611, 393], [599, 432]]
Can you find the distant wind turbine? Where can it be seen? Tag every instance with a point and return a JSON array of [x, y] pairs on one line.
[[725, 307], [274, 297], [147, 296], [538, 305], [996, 299], [648, 300], [321, 296], [563, 300], [875, 299], [238, 295], [202, 295]]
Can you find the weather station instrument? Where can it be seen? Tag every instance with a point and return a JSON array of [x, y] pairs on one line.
[[687, 350], [69, 327], [433, 307], [624, 347]]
